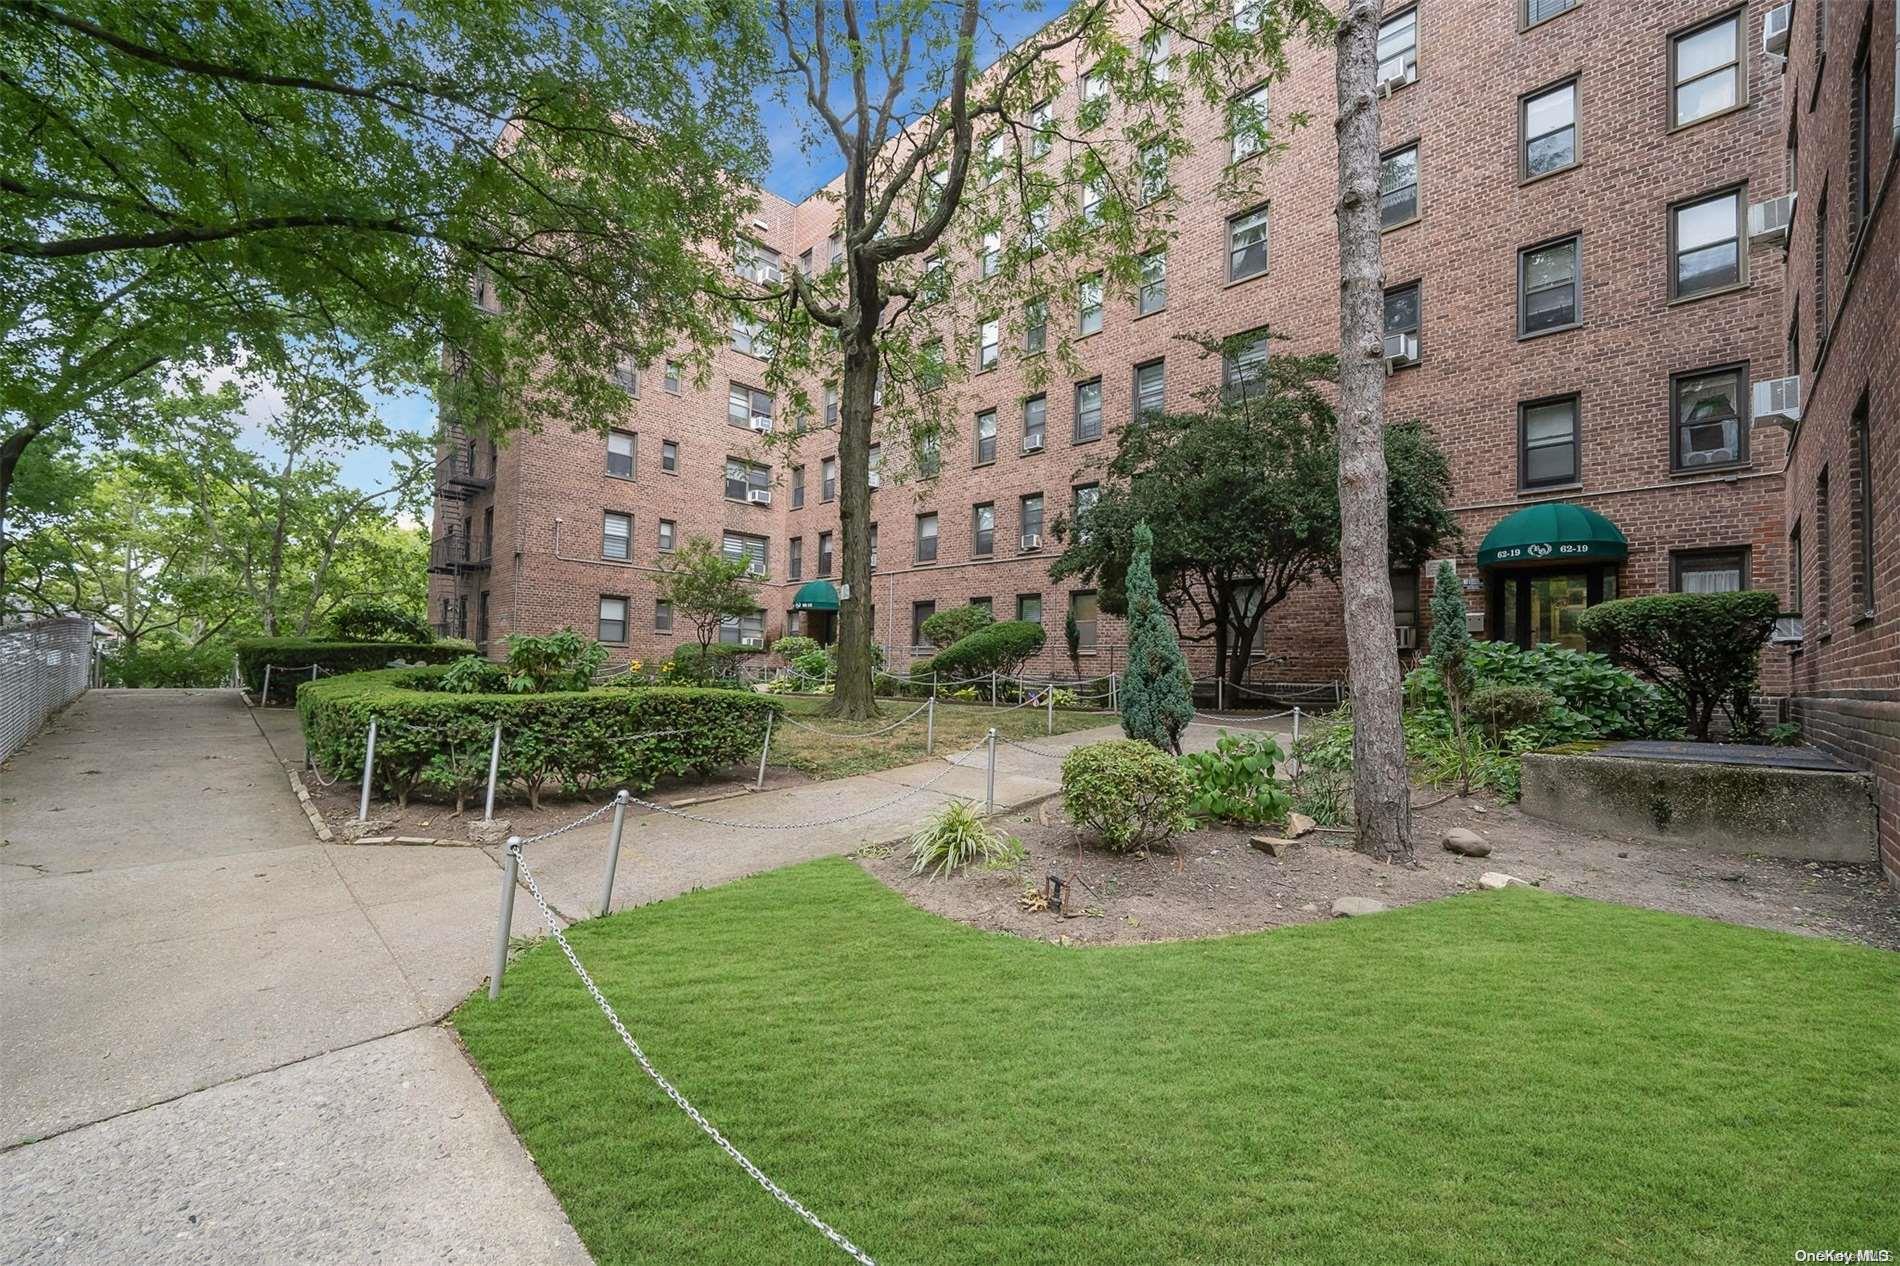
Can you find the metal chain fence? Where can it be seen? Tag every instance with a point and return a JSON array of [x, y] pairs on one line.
[[44, 665]]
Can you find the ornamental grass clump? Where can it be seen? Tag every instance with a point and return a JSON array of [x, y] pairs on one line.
[[954, 837], [1127, 794]]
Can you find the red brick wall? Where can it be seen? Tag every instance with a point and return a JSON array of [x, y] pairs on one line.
[[1846, 671]]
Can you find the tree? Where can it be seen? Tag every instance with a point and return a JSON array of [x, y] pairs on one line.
[[1703, 649], [1244, 507], [1451, 656], [707, 586], [907, 132], [1382, 790], [182, 188], [1157, 697]]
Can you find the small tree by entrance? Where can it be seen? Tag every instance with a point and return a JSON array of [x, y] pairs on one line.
[[1156, 698], [1451, 656], [707, 587]]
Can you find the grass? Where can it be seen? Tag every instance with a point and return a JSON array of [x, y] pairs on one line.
[[1512, 1076], [959, 726]]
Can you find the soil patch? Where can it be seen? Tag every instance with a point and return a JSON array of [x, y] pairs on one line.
[[1215, 883]]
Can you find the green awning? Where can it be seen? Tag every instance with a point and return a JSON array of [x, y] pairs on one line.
[[816, 595], [1553, 532]]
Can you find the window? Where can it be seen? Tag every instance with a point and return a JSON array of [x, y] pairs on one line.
[[1795, 563], [1094, 107], [927, 538], [934, 285], [930, 365], [795, 558], [616, 536], [995, 147], [662, 616], [1536, 11], [1706, 69], [1547, 442], [1029, 510], [1086, 495], [991, 261], [989, 335], [620, 454], [749, 335], [1035, 423], [1247, 124], [1823, 308], [1547, 121], [626, 374], [1862, 458], [983, 528], [1398, 48], [1035, 326], [1401, 323], [669, 534], [1042, 125], [1036, 232], [873, 545], [831, 405], [1088, 305], [1243, 362], [1029, 608], [745, 478], [919, 612], [986, 436], [1153, 295], [1859, 148], [748, 407], [1823, 550], [745, 630], [824, 554], [1708, 418], [674, 376], [670, 456], [1709, 571], [834, 249], [1094, 194], [1404, 606], [1085, 611], [758, 263], [805, 261], [1549, 281], [1248, 15], [613, 620], [1707, 238], [1154, 55], [1151, 388], [1153, 161], [929, 456], [798, 487], [1088, 410], [1398, 187], [754, 550], [828, 479], [1247, 244]]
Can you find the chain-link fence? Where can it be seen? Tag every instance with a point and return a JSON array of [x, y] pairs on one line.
[[44, 665]]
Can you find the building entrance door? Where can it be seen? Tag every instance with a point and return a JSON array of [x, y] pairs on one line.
[[1547, 606]]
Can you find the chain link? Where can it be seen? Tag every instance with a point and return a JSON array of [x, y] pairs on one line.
[[815, 729], [577, 822], [685, 1105], [921, 787]]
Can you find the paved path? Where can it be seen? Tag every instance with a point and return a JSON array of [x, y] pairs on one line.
[[220, 1031]]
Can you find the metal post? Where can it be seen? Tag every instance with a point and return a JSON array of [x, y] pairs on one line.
[[1296, 725], [263, 700], [511, 861], [764, 749], [989, 792], [494, 767], [1114, 697], [1050, 696], [369, 771], [1220, 694], [992, 687], [237, 674], [930, 726], [613, 850]]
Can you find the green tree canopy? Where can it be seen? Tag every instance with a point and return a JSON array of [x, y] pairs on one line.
[[707, 586]]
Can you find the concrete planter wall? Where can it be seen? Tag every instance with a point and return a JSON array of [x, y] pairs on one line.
[[1811, 815]]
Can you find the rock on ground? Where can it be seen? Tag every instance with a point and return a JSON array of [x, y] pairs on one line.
[[1349, 907], [1465, 843]]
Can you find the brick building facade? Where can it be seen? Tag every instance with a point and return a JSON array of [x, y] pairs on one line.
[[1841, 129], [1569, 187]]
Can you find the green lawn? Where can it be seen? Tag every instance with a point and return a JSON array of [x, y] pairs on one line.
[[959, 726], [1500, 1077]]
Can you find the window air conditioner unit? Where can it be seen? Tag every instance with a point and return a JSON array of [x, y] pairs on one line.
[[752, 641], [760, 496], [1032, 540], [755, 570], [1400, 349], [1474, 622], [1768, 221], [762, 425], [875, 481], [1408, 637], [1395, 73], [1774, 31], [1778, 400], [1032, 443], [1787, 631]]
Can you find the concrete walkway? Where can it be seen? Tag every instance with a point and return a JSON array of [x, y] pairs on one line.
[[221, 1033]]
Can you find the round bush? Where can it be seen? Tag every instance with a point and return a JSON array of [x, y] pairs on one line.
[[793, 647], [1501, 708], [946, 628], [1128, 794], [1002, 648]]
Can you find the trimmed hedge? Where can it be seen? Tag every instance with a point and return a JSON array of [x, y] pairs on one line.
[[1703, 649], [571, 740], [1001, 647], [1127, 794], [947, 628], [334, 657]]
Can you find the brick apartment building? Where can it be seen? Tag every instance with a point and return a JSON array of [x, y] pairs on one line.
[[1840, 125], [1577, 306]]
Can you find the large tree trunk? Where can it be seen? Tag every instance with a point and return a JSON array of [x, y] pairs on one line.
[[853, 697], [1382, 792]]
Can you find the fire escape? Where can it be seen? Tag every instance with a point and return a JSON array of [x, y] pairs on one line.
[[464, 471]]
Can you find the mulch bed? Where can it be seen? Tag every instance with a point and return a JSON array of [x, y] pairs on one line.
[[1214, 883]]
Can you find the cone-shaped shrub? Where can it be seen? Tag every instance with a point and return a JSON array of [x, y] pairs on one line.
[[1156, 696]]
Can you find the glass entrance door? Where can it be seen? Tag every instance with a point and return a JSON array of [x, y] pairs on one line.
[[1548, 606]]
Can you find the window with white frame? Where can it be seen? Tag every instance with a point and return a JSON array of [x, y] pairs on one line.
[[1035, 422], [1035, 326], [1247, 244], [616, 536], [1247, 123], [1151, 388], [1154, 55], [1088, 410], [1153, 161], [989, 343], [758, 263], [986, 436], [750, 335], [1036, 228], [1041, 129], [1094, 107], [1088, 304], [990, 262], [626, 373]]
